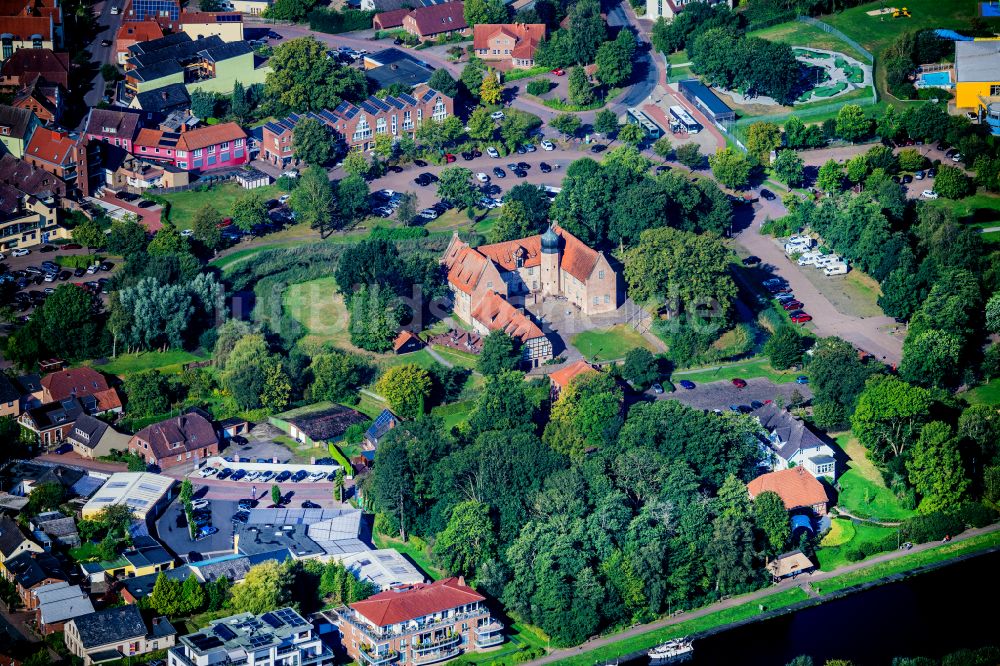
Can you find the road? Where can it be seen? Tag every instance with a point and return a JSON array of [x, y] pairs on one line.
[[108, 25]]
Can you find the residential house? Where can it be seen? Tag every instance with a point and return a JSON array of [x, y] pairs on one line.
[[30, 387], [561, 378], [234, 427], [57, 603], [27, 32], [176, 440], [789, 442], [133, 588], [162, 101], [280, 636], [114, 127], [390, 20], [440, 20], [116, 633], [136, 175], [52, 527], [33, 182], [233, 567], [80, 382], [318, 427], [44, 99], [150, 10], [203, 149], [10, 397], [134, 32], [16, 128], [52, 421], [25, 220], [668, 9], [13, 542], [26, 65], [379, 428], [508, 45], [798, 489], [146, 493], [227, 26], [24, 476], [494, 313], [29, 571], [54, 151], [93, 438], [251, 7], [277, 136], [527, 270], [789, 565], [406, 342], [418, 624]]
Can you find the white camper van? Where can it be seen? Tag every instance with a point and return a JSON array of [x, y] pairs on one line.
[[835, 269], [809, 258], [829, 260]]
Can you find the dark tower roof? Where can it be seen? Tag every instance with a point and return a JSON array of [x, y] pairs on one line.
[[550, 242]]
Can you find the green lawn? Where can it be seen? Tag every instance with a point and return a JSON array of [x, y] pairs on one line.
[[368, 406], [678, 58], [744, 369], [185, 205], [875, 34], [987, 394], [795, 33], [937, 554], [650, 639], [320, 309], [416, 549], [979, 210], [862, 491], [610, 344], [455, 413], [836, 556], [167, 362], [456, 357]]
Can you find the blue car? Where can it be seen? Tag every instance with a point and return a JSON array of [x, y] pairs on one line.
[[687, 384], [801, 379]]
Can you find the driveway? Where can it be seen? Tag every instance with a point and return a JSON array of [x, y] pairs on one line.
[[722, 394]]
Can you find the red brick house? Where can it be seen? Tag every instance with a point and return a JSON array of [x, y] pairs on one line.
[[42, 98], [203, 149], [419, 624], [72, 383], [54, 151], [444, 19], [797, 488], [25, 65], [390, 19], [509, 45], [175, 441], [130, 34], [116, 128]]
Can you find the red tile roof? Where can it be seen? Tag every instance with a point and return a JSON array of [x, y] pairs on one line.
[[446, 17], [409, 603], [484, 32], [203, 137], [139, 31], [108, 400], [563, 376], [796, 487], [23, 27], [178, 435], [496, 314], [391, 19], [577, 259], [25, 64], [464, 264], [51, 146], [74, 382], [403, 338]]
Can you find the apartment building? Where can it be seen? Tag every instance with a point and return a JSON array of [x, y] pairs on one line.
[[203, 149], [277, 638], [16, 128], [419, 624]]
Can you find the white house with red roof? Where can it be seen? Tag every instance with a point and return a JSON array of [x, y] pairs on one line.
[[509, 45], [418, 625]]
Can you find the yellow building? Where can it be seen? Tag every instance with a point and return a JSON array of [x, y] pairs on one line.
[[977, 74]]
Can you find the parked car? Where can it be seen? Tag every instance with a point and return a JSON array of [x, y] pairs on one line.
[[199, 504], [467, 156], [767, 195], [239, 474], [499, 173], [801, 318], [739, 383], [783, 298], [419, 163], [686, 384], [283, 476], [756, 404], [105, 43], [449, 158], [299, 475], [598, 148], [246, 504], [907, 179], [310, 505], [547, 145], [752, 260], [225, 473], [482, 177], [429, 214], [241, 517], [559, 71], [929, 194], [497, 115], [206, 532], [792, 305], [919, 175], [20, 252], [492, 152], [801, 379]]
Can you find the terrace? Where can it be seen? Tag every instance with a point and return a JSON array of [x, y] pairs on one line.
[[377, 635]]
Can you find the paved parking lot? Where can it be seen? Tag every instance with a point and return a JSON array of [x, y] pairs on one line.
[[172, 529], [260, 445], [722, 394]]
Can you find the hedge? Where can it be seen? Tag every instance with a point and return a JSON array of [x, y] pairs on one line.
[[324, 20]]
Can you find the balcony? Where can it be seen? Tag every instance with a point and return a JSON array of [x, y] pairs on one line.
[[376, 636], [493, 627], [436, 656], [374, 659], [447, 641], [483, 642]]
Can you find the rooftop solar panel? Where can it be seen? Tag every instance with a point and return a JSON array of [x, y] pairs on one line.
[[272, 620], [224, 632]]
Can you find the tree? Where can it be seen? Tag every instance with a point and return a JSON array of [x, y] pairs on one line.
[[581, 93], [889, 415], [499, 354], [313, 200], [789, 168], [485, 11], [406, 211], [289, 10], [218, 593], [771, 518], [468, 540], [689, 154], [830, 177], [338, 484], [356, 164], [614, 59], [88, 233], [186, 492], [632, 133], [490, 90], [312, 142], [663, 147], [303, 79], [336, 375], [148, 393], [929, 358], [935, 468], [45, 496], [640, 368], [566, 123], [587, 414], [852, 123], [167, 241], [249, 210], [238, 104], [126, 236], [481, 126], [784, 348], [762, 139], [910, 159], [442, 81], [731, 168], [352, 199], [207, 230], [455, 185], [166, 597], [276, 495], [266, 586], [192, 596], [606, 122], [514, 128], [952, 183], [67, 309], [375, 317], [406, 388], [277, 388], [203, 104], [472, 77]]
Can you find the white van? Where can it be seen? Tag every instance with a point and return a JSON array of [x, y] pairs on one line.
[[800, 240], [835, 269], [809, 258], [829, 260], [796, 248]]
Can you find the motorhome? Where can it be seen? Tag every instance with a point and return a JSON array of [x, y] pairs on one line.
[[809, 258], [835, 269], [829, 260]]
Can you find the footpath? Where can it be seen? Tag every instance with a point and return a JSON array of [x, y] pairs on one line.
[[807, 585]]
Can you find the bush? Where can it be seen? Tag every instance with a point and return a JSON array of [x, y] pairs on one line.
[[932, 527], [397, 233], [324, 20], [539, 87], [975, 514], [854, 555]]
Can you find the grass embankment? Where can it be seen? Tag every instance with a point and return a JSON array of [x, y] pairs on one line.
[[759, 367], [831, 557], [987, 394], [415, 548], [609, 344], [686, 628], [877, 32], [185, 205], [168, 362], [862, 491], [319, 307], [795, 33]]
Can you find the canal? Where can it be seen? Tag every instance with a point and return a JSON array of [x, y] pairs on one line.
[[931, 615]]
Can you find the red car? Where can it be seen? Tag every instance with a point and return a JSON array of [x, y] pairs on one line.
[[792, 305], [449, 158], [72, 246], [801, 318], [739, 383], [559, 71]]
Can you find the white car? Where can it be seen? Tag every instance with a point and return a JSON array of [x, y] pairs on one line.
[[115, 11], [492, 152], [482, 177], [199, 504], [929, 194], [187, 233], [548, 145], [497, 115], [809, 258], [283, 199], [957, 157], [207, 472], [291, 173], [429, 214], [20, 252]]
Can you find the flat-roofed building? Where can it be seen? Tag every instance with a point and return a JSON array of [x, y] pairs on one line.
[[147, 494]]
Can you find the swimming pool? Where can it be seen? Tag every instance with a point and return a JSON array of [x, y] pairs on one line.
[[935, 80]]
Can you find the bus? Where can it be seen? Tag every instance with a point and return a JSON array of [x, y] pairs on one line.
[[683, 121], [638, 117]]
